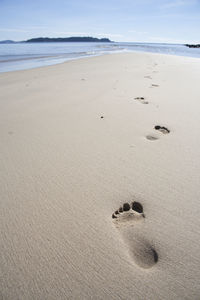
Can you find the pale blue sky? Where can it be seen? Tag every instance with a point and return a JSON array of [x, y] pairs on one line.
[[176, 21]]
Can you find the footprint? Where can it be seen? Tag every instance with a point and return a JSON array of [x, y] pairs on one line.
[[147, 76], [142, 100], [151, 137], [127, 219], [154, 85], [162, 129]]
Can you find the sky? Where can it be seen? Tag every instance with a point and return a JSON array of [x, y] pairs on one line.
[[166, 21]]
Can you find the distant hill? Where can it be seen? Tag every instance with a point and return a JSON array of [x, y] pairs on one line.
[[54, 40], [69, 39], [193, 46], [7, 42]]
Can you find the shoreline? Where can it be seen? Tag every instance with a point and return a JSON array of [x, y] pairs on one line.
[[102, 55], [81, 139], [125, 50]]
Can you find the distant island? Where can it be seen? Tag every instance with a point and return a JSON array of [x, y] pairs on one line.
[[69, 39], [7, 42], [60, 40], [193, 46]]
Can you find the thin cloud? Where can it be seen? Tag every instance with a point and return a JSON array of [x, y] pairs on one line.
[[137, 32], [28, 29], [108, 34], [37, 27], [178, 3], [12, 30]]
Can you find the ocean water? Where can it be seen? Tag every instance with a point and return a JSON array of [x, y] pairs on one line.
[[26, 56]]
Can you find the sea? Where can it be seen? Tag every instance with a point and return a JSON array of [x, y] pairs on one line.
[[21, 56]]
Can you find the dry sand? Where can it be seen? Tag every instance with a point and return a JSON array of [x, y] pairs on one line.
[[75, 146]]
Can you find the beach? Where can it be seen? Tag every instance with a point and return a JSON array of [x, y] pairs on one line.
[[80, 139]]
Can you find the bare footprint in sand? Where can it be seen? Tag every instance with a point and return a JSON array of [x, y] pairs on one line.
[[127, 219], [141, 100]]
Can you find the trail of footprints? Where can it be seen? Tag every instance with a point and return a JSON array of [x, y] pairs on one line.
[[158, 128], [129, 215], [125, 219]]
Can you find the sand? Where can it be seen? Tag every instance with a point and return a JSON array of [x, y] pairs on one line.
[[78, 140]]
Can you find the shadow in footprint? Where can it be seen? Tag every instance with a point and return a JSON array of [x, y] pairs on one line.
[[10, 132], [162, 129], [141, 100], [143, 253], [151, 138], [153, 86], [125, 219]]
